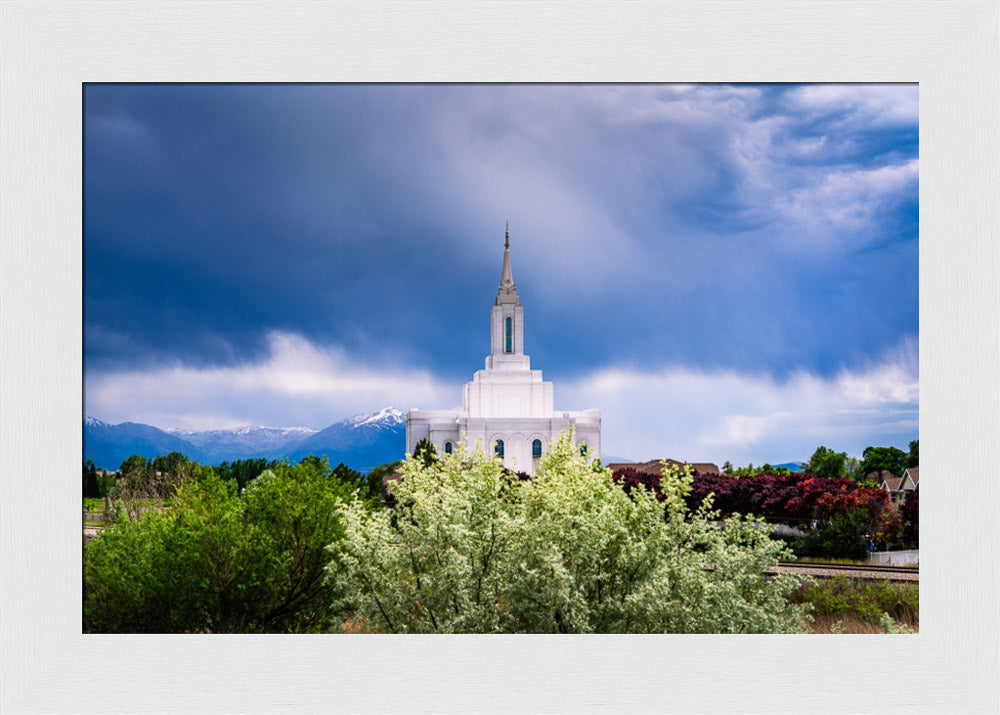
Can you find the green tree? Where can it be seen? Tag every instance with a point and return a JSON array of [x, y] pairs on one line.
[[347, 475], [244, 471], [371, 491], [827, 463], [913, 459], [424, 451], [91, 485], [375, 479], [852, 469], [156, 479], [221, 561], [842, 537], [874, 459], [471, 549]]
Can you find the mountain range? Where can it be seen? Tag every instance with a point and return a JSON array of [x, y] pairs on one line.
[[361, 442]]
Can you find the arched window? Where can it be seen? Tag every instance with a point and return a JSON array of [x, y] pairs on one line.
[[583, 449], [447, 447], [536, 448], [509, 341], [498, 448]]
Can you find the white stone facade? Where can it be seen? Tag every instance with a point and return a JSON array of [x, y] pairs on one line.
[[507, 403]]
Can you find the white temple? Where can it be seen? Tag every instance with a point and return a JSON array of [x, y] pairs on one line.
[[507, 407]]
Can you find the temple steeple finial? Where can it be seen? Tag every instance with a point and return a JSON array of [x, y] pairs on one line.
[[506, 240]]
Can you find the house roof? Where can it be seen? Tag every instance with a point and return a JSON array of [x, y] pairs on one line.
[[655, 466], [892, 484], [914, 474], [879, 474], [706, 467]]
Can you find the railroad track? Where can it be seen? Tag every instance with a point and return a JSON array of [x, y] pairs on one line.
[[863, 571]]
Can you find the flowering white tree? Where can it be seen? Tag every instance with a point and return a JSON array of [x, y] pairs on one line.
[[471, 549]]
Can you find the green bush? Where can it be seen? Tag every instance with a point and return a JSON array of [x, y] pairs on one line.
[[865, 600], [469, 548], [843, 537], [220, 561]]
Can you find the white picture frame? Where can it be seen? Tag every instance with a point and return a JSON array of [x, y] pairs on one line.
[[49, 49]]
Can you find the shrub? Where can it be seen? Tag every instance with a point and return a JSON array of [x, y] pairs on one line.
[[868, 601], [220, 561], [470, 549], [843, 537]]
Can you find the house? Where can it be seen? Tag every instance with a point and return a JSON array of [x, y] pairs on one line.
[[897, 487]]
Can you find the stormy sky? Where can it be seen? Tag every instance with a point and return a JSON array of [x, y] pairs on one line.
[[727, 272]]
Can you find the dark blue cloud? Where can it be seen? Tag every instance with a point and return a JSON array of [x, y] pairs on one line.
[[650, 226]]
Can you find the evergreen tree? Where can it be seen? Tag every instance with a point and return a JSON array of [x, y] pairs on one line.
[[425, 452]]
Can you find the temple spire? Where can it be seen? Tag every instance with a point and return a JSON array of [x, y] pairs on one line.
[[508, 291]]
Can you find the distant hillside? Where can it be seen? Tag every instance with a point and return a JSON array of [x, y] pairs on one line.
[[242, 442], [109, 445], [361, 442]]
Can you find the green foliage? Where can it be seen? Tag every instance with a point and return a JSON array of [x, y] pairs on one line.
[[425, 452], [347, 475], [892, 627], [865, 600], [913, 459], [375, 479], [370, 492], [852, 470], [827, 463], [105, 483], [874, 459], [91, 485], [221, 561], [751, 471], [842, 537], [158, 479], [244, 471], [471, 549]]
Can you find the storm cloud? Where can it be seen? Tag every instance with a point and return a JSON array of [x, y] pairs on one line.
[[764, 232]]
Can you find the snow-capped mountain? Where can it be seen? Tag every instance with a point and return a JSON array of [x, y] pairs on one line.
[[386, 417], [220, 445], [361, 442], [246, 433]]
